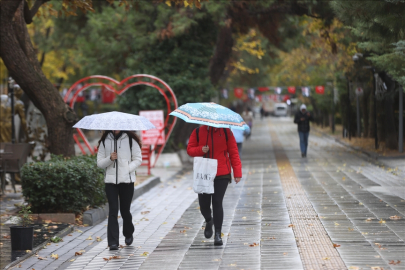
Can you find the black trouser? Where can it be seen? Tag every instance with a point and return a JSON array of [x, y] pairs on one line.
[[124, 193], [220, 186]]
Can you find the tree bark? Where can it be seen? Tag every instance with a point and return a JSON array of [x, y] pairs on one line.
[[19, 56], [223, 52]]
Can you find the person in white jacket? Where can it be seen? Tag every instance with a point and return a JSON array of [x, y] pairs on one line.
[[120, 166]]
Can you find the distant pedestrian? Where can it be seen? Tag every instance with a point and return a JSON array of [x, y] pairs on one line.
[[119, 180], [239, 138], [219, 144], [302, 118], [247, 116], [261, 112]]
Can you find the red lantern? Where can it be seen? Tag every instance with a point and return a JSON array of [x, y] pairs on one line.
[[263, 89], [238, 92], [320, 89], [291, 89]]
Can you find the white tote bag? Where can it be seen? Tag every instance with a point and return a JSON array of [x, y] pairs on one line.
[[205, 170]]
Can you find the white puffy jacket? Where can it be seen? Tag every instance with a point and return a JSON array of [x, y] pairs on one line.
[[127, 161]]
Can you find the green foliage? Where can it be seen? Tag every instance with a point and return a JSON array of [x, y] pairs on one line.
[[25, 215], [63, 184], [380, 30], [56, 239]]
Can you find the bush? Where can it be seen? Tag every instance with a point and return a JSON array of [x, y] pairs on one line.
[[67, 185]]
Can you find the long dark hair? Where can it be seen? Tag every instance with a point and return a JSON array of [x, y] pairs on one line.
[[131, 135]]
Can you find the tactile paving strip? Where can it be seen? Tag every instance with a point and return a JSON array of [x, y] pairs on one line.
[[315, 247]]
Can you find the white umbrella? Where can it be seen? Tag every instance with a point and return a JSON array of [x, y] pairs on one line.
[[114, 121]]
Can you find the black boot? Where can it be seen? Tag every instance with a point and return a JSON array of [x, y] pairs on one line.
[[208, 229], [218, 239]]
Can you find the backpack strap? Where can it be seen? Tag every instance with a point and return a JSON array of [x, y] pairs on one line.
[[103, 143], [197, 130], [226, 134], [130, 144]]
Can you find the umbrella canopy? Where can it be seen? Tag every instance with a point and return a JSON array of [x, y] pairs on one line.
[[210, 114], [114, 121]]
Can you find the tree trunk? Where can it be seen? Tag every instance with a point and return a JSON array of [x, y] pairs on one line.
[[390, 131], [371, 119], [19, 56], [365, 112], [223, 52]]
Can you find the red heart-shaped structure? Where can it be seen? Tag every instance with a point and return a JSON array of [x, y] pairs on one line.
[[118, 88]]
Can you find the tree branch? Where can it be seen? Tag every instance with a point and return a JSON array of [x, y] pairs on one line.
[[29, 14]]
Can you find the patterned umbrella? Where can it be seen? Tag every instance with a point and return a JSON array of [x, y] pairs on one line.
[[210, 114], [114, 121]]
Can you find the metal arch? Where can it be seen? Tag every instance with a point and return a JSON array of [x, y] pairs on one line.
[[122, 87]]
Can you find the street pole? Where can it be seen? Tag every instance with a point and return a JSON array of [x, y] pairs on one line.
[[358, 116], [375, 108], [11, 93], [401, 120], [333, 110]]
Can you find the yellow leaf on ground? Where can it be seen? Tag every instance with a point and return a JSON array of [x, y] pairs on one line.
[[145, 254], [89, 238], [98, 239], [72, 260], [381, 221], [55, 256]]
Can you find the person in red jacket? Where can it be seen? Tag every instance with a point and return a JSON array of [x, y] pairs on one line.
[[219, 144]]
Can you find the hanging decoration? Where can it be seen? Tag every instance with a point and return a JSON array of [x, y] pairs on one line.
[[238, 92], [263, 89], [291, 89], [224, 93], [305, 91], [320, 89]]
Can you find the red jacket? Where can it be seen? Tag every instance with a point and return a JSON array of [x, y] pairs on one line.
[[225, 152]]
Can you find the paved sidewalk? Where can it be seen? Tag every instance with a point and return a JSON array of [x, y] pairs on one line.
[[332, 210]]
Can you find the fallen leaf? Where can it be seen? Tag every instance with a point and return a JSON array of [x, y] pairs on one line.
[[72, 260], [354, 268], [6, 236], [254, 245], [395, 217], [98, 239], [70, 235], [244, 218], [28, 251], [79, 231], [89, 238], [164, 223], [106, 259], [222, 234], [369, 219], [291, 225], [325, 258], [183, 231], [145, 212], [116, 257], [395, 263], [381, 221], [78, 253], [55, 256], [41, 258], [145, 254], [337, 224], [285, 253], [38, 230], [336, 245]]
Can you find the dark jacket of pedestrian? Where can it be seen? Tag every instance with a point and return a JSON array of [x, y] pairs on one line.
[[302, 120]]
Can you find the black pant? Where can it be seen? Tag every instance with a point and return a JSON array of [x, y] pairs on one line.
[[124, 193], [220, 186]]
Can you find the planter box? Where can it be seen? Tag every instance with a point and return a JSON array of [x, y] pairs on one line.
[[68, 218]]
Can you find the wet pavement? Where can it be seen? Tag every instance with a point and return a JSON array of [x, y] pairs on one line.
[[331, 210]]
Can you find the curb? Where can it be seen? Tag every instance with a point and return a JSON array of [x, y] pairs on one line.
[[61, 234], [377, 158], [94, 216]]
